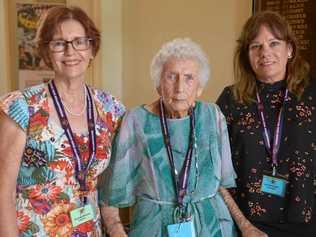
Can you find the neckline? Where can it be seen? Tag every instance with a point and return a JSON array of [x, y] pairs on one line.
[[271, 87], [57, 124], [168, 119]]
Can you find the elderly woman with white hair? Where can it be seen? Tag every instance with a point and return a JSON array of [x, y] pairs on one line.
[[171, 157]]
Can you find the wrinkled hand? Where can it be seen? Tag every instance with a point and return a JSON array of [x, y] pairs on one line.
[[252, 231], [118, 233]]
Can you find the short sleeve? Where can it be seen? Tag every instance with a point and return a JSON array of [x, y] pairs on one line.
[[15, 107], [228, 174], [111, 109]]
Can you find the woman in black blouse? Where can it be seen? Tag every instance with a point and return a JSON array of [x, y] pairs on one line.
[[270, 111]]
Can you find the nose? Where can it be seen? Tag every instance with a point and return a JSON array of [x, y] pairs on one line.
[[180, 83], [69, 50], [265, 50]]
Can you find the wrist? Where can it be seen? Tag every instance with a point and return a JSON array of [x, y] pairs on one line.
[[114, 227]]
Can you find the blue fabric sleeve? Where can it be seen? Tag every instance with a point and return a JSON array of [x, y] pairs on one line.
[[15, 107]]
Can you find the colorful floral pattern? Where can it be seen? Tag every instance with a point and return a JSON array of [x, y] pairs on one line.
[[46, 186], [296, 157]]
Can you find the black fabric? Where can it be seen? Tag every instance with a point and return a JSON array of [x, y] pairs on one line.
[[297, 155]]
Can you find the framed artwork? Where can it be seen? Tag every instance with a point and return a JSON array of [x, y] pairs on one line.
[[31, 67], [300, 15]]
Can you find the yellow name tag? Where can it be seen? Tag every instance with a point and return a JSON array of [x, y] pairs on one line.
[[81, 215]]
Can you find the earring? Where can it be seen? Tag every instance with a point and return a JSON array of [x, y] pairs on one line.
[[289, 56]]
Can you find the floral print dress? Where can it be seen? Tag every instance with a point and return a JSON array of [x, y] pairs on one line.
[[296, 156], [46, 186]]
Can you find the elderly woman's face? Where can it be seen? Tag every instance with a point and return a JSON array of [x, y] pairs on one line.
[[179, 86], [70, 50], [268, 56]]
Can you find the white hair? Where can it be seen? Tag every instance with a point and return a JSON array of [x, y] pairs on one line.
[[180, 48]]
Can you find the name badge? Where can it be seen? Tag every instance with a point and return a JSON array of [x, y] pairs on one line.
[[273, 185], [81, 215], [182, 229]]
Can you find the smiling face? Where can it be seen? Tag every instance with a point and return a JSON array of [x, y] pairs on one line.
[[268, 56], [179, 86], [70, 63]]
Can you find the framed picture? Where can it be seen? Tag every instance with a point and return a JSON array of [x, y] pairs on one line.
[[31, 67], [300, 15]]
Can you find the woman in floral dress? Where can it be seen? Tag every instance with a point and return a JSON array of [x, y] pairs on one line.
[[56, 137]]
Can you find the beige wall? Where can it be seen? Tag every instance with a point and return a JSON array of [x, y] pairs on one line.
[[147, 24], [132, 32], [4, 70]]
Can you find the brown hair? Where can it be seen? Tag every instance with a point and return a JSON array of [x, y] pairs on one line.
[[297, 71], [54, 17]]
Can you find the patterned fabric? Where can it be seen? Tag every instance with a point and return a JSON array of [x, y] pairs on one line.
[[296, 156], [139, 173], [46, 186]]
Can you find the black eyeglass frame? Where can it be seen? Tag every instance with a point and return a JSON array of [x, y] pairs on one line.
[[67, 42]]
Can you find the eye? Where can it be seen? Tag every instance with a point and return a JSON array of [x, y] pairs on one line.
[[254, 46], [188, 77], [172, 76], [58, 43], [80, 41], [275, 43]]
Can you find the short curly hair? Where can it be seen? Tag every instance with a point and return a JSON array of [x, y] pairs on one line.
[[180, 48], [54, 17]]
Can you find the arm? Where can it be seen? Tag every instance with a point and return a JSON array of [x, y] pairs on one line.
[[12, 143], [246, 228], [112, 221]]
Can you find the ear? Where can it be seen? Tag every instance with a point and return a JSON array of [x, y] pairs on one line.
[[290, 51], [199, 91], [159, 90]]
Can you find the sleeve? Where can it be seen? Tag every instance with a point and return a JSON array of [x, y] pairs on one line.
[[15, 107], [111, 109], [118, 111], [120, 180], [228, 174]]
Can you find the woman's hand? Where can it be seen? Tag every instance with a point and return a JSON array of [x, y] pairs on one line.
[[118, 232], [112, 221], [249, 230]]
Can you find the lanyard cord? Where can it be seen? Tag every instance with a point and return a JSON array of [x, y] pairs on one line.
[[274, 149], [180, 180], [80, 169]]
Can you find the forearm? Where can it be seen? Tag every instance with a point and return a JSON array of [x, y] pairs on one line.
[[247, 229], [112, 221], [234, 210], [8, 217]]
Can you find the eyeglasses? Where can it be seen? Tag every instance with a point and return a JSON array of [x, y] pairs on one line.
[[79, 43]]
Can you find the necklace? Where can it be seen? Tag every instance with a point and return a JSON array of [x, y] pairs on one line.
[[83, 108]]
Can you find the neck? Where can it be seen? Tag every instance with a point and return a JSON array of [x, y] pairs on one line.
[[70, 90], [175, 114]]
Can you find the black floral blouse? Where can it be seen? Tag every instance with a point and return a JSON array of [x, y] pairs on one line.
[[296, 157]]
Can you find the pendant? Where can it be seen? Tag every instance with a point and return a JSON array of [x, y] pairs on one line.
[[81, 176]]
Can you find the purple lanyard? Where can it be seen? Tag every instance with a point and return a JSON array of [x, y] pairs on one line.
[[80, 169], [274, 149], [181, 180]]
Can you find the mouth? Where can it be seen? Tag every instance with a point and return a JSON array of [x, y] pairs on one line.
[[266, 64], [71, 63]]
